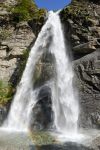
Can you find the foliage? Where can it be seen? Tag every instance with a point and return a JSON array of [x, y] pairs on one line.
[[26, 10], [6, 92]]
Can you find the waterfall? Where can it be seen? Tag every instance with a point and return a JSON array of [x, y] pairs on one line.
[[65, 104], [64, 99]]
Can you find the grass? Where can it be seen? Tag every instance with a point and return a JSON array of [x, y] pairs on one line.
[[6, 92]]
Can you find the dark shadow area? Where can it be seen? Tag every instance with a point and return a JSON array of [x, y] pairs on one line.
[[42, 114], [65, 146], [36, 26], [67, 36]]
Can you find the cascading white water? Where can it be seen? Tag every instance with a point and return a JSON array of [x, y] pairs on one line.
[[65, 105], [25, 96]]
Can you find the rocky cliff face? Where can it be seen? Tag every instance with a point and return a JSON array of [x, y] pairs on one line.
[[14, 40], [81, 21]]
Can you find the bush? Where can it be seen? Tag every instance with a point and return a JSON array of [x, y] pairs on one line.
[[6, 92], [25, 10]]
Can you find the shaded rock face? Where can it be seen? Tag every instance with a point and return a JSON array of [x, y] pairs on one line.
[[44, 70], [42, 115], [3, 113], [87, 72], [66, 146]]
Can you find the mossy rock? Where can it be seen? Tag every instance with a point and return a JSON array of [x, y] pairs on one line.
[[42, 138]]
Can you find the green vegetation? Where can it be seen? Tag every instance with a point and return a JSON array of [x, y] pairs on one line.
[[6, 92], [26, 10], [42, 138]]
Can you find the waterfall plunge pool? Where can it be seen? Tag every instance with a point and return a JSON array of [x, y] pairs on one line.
[[17, 140]]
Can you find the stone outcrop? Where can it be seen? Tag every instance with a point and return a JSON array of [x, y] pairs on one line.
[[87, 73], [81, 21], [82, 18]]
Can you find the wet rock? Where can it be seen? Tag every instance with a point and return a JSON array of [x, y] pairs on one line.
[[3, 114], [66, 146], [42, 116], [44, 70]]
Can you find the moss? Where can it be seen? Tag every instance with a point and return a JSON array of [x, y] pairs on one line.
[[26, 10], [6, 92], [42, 138]]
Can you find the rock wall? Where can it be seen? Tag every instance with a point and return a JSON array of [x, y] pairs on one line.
[[82, 18], [87, 71], [81, 21], [14, 40]]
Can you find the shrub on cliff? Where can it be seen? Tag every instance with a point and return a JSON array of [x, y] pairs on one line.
[[6, 92], [26, 10]]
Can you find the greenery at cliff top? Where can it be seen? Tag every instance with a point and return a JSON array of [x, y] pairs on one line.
[[6, 93], [26, 10]]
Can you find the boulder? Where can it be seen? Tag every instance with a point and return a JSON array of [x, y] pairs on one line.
[[86, 48]]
